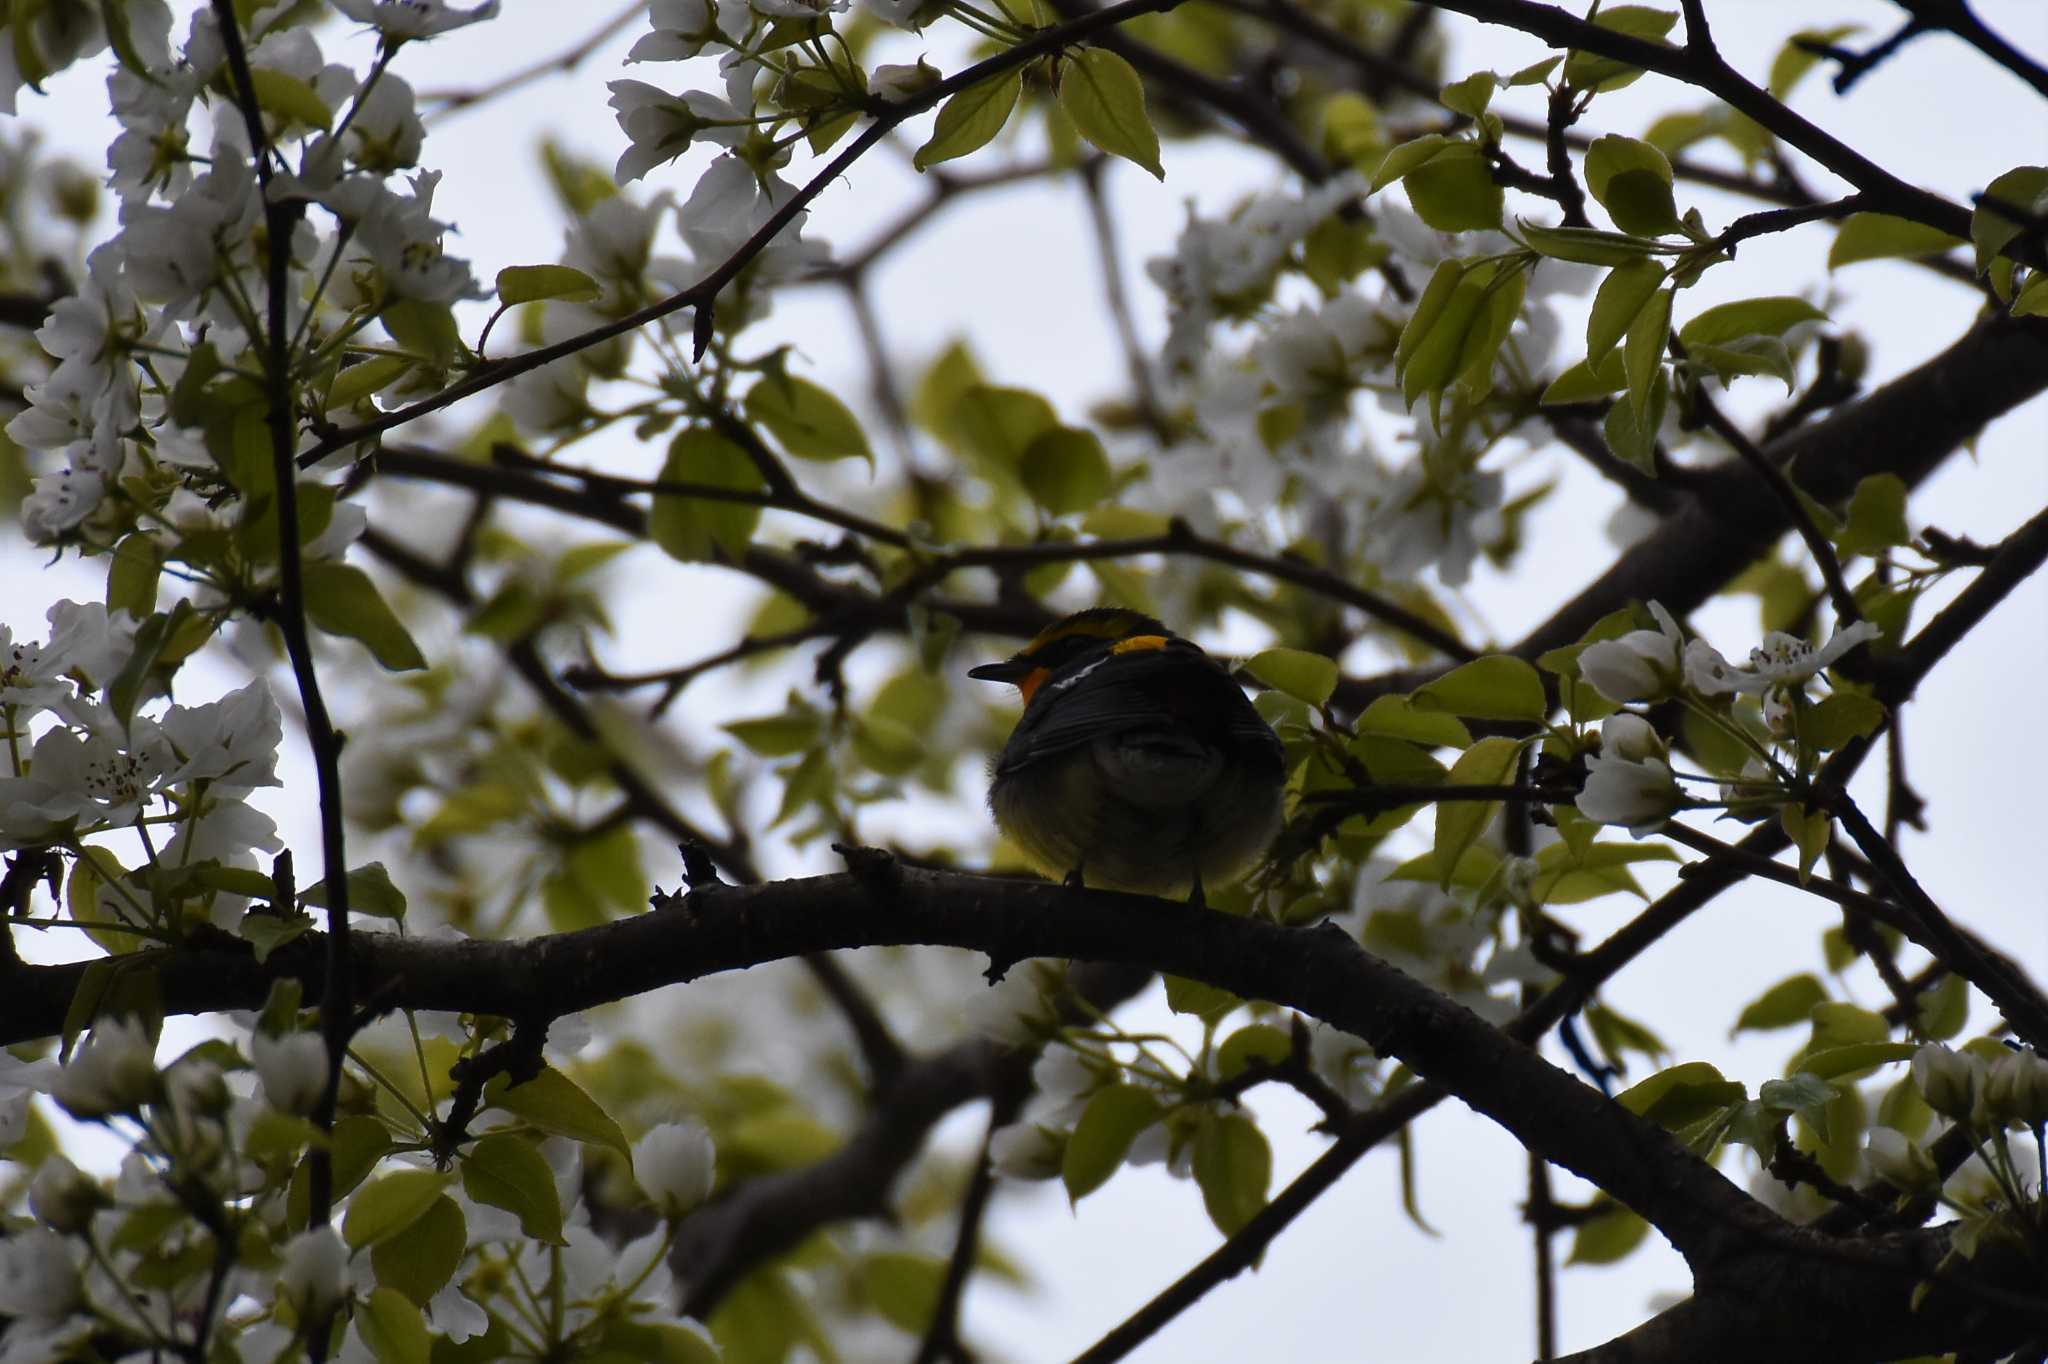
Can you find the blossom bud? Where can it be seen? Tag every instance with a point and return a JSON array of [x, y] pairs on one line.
[[675, 1163], [1897, 1161], [2017, 1088], [63, 1197], [1024, 1150], [1948, 1080], [114, 1072], [293, 1067], [314, 1275]]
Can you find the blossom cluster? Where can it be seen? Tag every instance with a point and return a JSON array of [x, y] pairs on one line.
[[1630, 780], [1278, 421], [121, 1261], [83, 761]]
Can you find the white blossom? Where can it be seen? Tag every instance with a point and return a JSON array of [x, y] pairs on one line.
[[293, 1068], [684, 28], [1642, 665], [113, 1072], [660, 126], [62, 1196], [1629, 782], [675, 1163], [38, 1281], [1781, 661], [313, 1277], [896, 81], [1026, 1150], [402, 20], [231, 742], [1950, 1081]]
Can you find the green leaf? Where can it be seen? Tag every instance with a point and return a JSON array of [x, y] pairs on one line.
[[1455, 191], [1233, 1166], [1197, 998], [1471, 95], [1065, 470], [1877, 516], [1459, 823], [1398, 717], [1632, 181], [1623, 293], [126, 689], [998, 425], [342, 600], [1880, 236], [2032, 300], [1253, 1042], [132, 572], [1585, 245], [1497, 315], [1841, 718], [1438, 353], [1803, 1092], [1607, 1236], [1945, 1008], [807, 420], [531, 283], [370, 891], [1642, 351], [1748, 355], [1788, 1002], [1854, 1060], [1496, 687], [1409, 155], [1683, 1095], [1106, 100], [903, 1288], [506, 1171], [1584, 383], [1309, 677], [1748, 317], [691, 528], [971, 118], [424, 329], [391, 1325], [777, 736], [1634, 438], [555, 1104], [389, 1205], [1796, 58], [1592, 72], [360, 380], [290, 98], [1112, 1120], [1991, 231], [420, 1263]]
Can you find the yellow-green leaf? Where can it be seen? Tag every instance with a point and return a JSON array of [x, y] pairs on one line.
[[506, 1171], [1065, 470], [1496, 687], [1106, 100], [1880, 236], [1632, 181], [970, 119], [1111, 1121], [696, 528], [1310, 677], [1459, 823], [1233, 1166], [342, 600], [808, 420], [1623, 293], [389, 1204], [531, 283]]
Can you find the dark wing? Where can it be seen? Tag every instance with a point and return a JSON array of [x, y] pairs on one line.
[[1176, 692]]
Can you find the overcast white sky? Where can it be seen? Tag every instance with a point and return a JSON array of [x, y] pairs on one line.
[[1353, 1280]]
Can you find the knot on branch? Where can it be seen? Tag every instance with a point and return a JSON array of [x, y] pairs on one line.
[[876, 869]]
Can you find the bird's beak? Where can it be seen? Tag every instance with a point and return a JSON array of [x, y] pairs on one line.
[[1009, 670]]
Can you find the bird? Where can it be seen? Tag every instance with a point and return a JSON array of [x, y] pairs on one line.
[[1138, 763]]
